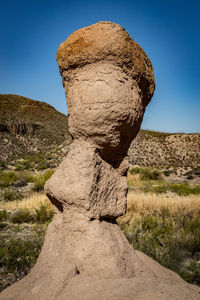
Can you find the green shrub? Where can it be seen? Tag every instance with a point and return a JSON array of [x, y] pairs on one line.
[[183, 189], [22, 216], [19, 255], [2, 165], [191, 273], [7, 178], [161, 188], [136, 170], [167, 172], [146, 173], [40, 180], [19, 167], [43, 214], [19, 250], [10, 195], [196, 171], [42, 166], [28, 164], [4, 215], [25, 175]]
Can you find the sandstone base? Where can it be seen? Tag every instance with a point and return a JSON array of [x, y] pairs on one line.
[[90, 259]]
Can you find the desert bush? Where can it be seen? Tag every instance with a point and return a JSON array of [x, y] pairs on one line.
[[7, 178], [19, 254], [43, 214], [146, 173], [26, 175], [19, 167], [2, 165], [196, 171], [42, 165], [166, 172], [136, 170], [26, 164], [4, 215], [22, 216], [10, 195], [169, 172], [183, 189], [40, 180]]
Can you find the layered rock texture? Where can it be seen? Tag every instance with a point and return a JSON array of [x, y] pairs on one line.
[[108, 81]]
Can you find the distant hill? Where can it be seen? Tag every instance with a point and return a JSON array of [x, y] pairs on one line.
[[28, 127], [158, 149]]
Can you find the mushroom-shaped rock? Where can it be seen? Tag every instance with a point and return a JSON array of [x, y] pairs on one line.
[[108, 81]]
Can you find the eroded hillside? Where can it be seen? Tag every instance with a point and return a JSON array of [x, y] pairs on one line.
[[163, 150], [28, 126]]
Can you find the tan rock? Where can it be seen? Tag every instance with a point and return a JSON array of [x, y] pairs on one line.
[[105, 108], [108, 82], [93, 187]]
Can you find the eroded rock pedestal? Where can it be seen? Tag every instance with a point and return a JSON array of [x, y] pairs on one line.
[[108, 81]]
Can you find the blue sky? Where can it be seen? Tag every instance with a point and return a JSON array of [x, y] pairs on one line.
[[168, 31]]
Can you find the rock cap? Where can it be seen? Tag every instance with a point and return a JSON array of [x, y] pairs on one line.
[[107, 41]]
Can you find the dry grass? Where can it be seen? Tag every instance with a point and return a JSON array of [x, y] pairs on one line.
[[140, 204], [166, 228], [35, 201]]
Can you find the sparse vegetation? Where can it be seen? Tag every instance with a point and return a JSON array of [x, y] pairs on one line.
[[34, 209], [9, 195], [19, 249], [43, 214], [21, 216], [151, 181], [40, 180], [22, 228], [7, 178], [146, 173], [164, 150], [39, 215], [166, 229]]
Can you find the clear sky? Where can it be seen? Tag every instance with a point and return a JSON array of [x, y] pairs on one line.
[[168, 31]]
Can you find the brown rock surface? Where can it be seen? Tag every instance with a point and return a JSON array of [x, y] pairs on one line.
[[85, 255]]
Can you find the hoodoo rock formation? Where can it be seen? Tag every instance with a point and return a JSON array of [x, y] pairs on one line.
[[108, 81]]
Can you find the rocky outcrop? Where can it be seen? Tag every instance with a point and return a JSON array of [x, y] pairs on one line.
[[24, 128], [85, 255]]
